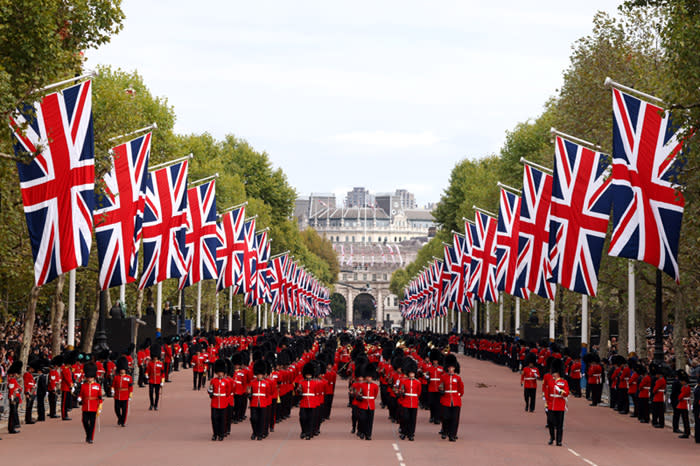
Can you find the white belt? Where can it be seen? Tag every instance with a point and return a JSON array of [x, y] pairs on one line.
[[308, 394], [369, 397], [450, 391], [434, 380], [529, 378], [219, 394], [259, 394], [557, 396], [239, 382], [410, 394]]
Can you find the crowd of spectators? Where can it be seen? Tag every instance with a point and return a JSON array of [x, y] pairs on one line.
[[12, 334]]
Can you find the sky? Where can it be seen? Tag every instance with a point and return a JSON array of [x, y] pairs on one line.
[[382, 94]]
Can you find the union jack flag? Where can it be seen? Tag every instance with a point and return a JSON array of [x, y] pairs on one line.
[[507, 245], [647, 206], [229, 258], [453, 267], [262, 293], [482, 275], [119, 212], [58, 184], [290, 289], [276, 280], [250, 259], [579, 215], [533, 249], [202, 238], [462, 271], [165, 225]]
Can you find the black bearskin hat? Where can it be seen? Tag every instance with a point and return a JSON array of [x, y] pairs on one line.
[[618, 360], [409, 365], [237, 359], [259, 368], [90, 370], [530, 358], [557, 367], [57, 361], [122, 364], [308, 369], [155, 351], [370, 370], [451, 361], [219, 366], [436, 355]]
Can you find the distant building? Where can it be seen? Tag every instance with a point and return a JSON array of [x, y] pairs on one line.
[[359, 197], [371, 240]]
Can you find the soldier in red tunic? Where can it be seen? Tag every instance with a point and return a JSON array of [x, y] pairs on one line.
[[218, 392], [14, 395], [557, 393], [452, 389], [240, 388], [66, 387], [658, 394], [154, 376], [91, 399], [408, 392], [54, 384], [29, 392], [199, 366], [683, 406], [433, 374], [528, 380], [369, 391], [308, 389], [259, 391], [122, 389]]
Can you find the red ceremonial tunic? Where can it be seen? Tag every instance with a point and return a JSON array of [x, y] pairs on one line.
[[91, 396], [453, 389], [123, 386]]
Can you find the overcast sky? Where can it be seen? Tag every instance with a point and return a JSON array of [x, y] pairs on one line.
[[381, 94]]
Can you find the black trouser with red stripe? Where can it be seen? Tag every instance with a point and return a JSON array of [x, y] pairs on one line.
[[154, 394], [53, 398], [89, 418], [306, 420], [434, 400], [530, 399], [366, 421], [66, 400], [258, 416], [121, 407], [13, 420], [450, 421], [218, 421], [408, 420]]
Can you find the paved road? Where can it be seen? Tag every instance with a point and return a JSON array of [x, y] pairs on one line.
[[494, 430]]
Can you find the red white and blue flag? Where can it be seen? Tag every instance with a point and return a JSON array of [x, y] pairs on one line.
[[462, 270], [647, 205], [262, 293], [165, 225], [533, 249], [276, 275], [482, 274], [250, 259], [229, 257], [202, 239], [58, 184], [119, 212], [579, 216], [507, 245]]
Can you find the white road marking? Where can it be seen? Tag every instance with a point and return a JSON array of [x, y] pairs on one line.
[[572, 451], [399, 457], [396, 447], [589, 462], [584, 459]]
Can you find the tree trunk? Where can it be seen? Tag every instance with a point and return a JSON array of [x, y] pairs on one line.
[[679, 329], [604, 331], [86, 343], [57, 321], [29, 326]]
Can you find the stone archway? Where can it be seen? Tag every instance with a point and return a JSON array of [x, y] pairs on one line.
[[364, 310], [339, 310]]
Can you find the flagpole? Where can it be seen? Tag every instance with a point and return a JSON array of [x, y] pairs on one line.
[[631, 308], [136, 131], [169, 163], [191, 184], [488, 317], [459, 322], [122, 295], [500, 313], [258, 307], [509, 188], [71, 309], [484, 211], [551, 320], [89, 74], [216, 311], [610, 83], [230, 308], [279, 322], [199, 305], [159, 308], [233, 207], [266, 325], [517, 316], [584, 321], [571, 138], [524, 161]]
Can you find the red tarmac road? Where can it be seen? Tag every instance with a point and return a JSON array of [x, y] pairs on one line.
[[494, 430]]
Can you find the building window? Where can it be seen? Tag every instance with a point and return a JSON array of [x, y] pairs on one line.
[[374, 277], [353, 239], [346, 239], [354, 276], [395, 303], [364, 276], [385, 277]]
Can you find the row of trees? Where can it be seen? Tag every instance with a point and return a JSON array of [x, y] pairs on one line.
[[42, 42], [651, 46]]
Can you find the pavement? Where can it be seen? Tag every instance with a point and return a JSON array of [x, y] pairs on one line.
[[494, 430]]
